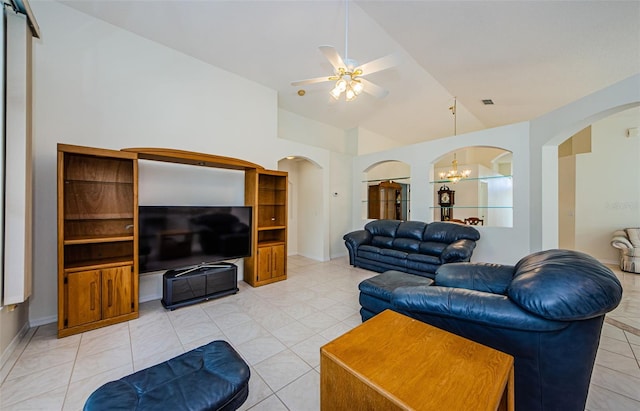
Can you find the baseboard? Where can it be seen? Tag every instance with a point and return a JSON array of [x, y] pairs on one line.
[[37, 322], [14, 344]]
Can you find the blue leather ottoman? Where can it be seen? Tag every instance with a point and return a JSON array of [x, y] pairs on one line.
[[211, 377], [375, 292]]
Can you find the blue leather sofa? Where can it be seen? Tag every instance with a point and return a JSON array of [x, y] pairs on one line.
[[547, 311], [410, 246]]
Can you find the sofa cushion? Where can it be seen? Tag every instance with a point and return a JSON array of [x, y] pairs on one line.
[[424, 259], [382, 241], [432, 248], [390, 252], [568, 294], [386, 228], [406, 244], [211, 377], [382, 285], [411, 229], [387, 255], [449, 232]]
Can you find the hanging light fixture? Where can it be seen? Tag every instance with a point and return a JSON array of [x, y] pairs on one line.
[[347, 81], [454, 175]]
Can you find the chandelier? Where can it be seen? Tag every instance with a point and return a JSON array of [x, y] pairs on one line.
[[454, 175], [347, 83]]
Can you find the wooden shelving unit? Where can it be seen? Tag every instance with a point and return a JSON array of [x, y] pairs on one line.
[[266, 192], [98, 229], [97, 238], [385, 201]]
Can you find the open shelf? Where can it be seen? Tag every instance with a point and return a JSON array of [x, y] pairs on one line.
[[470, 179]]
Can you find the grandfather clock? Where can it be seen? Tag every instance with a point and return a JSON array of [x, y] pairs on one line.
[[446, 201]]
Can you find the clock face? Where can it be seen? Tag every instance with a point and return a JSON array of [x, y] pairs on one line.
[[444, 198]]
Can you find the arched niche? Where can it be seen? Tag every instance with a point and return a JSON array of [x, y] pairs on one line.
[[484, 197], [386, 187]]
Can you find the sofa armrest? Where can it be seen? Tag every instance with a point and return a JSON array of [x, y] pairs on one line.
[[355, 239], [469, 305], [487, 277], [458, 251], [621, 242]]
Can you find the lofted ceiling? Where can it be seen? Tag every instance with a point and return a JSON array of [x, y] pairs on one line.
[[529, 57]]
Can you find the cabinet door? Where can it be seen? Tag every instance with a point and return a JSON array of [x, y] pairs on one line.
[[83, 297], [264, 263], [277, 260], [116, 291]]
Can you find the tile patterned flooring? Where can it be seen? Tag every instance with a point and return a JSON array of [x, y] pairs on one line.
[[278, 329]]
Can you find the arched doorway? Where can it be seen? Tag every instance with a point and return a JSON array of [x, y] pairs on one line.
[[306, 208], [599, 184]]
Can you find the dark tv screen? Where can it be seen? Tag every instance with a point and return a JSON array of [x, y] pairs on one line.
[[184, 236]]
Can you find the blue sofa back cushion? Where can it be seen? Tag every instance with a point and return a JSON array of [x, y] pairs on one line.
[[449, 232], [385, 228], [411, 229], [573, 288]]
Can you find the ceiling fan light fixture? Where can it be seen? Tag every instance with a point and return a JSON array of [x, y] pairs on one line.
[[335, 92], [357, 86], [341, 84], [350, 95]]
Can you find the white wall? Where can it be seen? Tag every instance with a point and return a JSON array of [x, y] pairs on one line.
[[97, 85], [608, 185], [310, 211], [370, 142], [310, 132], [567, 201], [340, 200], [331, 150]]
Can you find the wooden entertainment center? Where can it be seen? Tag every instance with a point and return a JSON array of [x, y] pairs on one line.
[[98, 229]]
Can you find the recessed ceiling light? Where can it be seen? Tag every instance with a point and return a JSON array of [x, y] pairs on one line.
[[487, 102], [301, 92]]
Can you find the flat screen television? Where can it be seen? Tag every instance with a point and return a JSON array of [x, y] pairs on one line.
[[185, 236]]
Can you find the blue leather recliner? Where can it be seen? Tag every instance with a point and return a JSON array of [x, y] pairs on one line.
[[547, 311]]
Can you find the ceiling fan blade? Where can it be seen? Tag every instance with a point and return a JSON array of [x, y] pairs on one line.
[[332, 55], [373, 89], [310, 81], [380, 64]]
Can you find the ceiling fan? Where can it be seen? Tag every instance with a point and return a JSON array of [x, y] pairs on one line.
[[348, 75]]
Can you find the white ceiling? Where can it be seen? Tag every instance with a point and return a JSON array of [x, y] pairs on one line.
[[530, 57]]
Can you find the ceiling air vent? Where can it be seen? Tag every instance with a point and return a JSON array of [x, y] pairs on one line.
[[487, 102]]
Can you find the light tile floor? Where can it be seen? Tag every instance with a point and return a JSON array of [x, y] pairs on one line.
[[278, 329]]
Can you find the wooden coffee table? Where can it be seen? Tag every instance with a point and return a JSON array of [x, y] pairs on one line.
[[393, 362]]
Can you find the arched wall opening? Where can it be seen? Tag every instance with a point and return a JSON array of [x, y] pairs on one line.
[[306, 207], [552, 222], [599, 184], [484, 197], [386, 191]]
